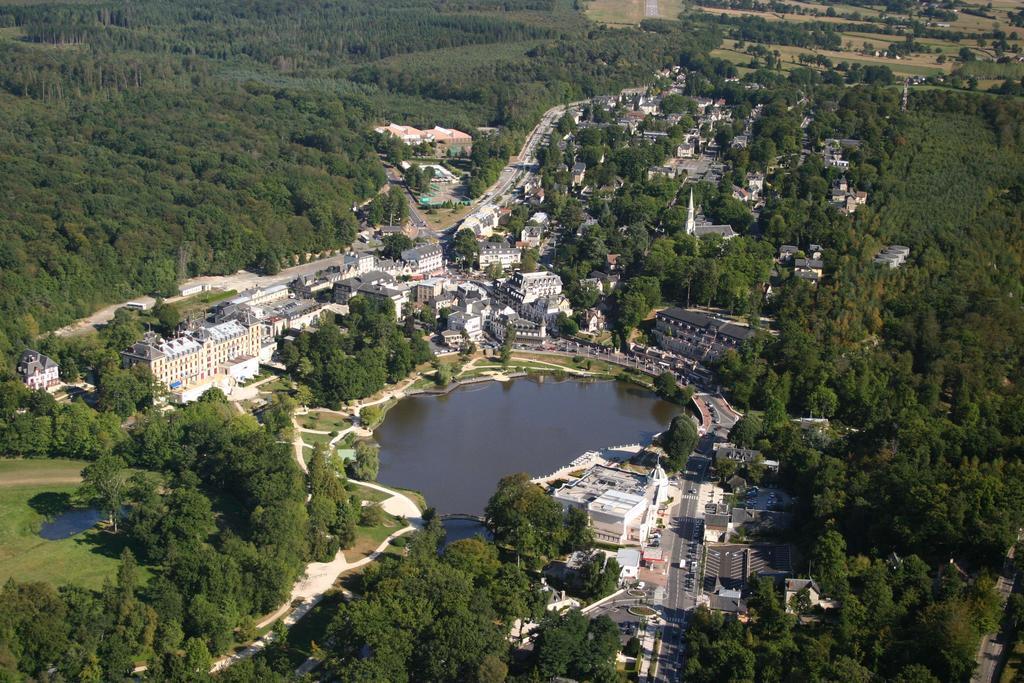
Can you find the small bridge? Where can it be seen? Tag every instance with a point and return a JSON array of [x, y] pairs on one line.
[[463, 515]]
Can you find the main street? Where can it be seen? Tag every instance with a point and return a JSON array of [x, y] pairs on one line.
[[683, 540], [524, 166]]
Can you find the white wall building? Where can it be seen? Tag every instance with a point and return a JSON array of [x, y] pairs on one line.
[[505, 256]]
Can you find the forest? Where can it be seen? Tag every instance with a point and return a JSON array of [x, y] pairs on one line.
[[147, 142], [144, 143]]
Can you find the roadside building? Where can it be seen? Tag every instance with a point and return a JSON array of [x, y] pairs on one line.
[[423, 260], [697, 335]]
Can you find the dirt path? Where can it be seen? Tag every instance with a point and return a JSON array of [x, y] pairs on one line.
[[7, 481], [319, 577]]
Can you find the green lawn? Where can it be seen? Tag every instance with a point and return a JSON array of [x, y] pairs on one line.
[[313, 439], [369, 537], [325, 422], [366, 493], [26, 501], [51, 470]]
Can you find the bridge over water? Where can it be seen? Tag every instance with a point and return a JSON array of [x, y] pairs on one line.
[[463, 515]]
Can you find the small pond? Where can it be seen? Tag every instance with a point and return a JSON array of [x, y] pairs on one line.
[[70, 522]]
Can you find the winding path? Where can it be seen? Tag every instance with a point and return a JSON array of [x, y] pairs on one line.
[[319, 577]]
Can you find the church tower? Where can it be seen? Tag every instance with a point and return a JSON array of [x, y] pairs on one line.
[[691, 225]]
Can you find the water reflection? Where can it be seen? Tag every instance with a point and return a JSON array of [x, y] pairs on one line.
[[455, 448]]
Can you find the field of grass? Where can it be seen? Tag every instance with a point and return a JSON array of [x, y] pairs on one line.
[[991, 70], [369, 537], [629, 12], [31, 491], [35, 472], [916, 65], [366, 493], [279, 384], [324, 422], [313, 439]]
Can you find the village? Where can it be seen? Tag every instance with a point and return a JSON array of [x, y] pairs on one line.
[[698, 538]]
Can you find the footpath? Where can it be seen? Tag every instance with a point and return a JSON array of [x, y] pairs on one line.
[[319, 577]]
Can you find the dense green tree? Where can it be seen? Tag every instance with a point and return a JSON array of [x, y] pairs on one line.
[[679, 440]]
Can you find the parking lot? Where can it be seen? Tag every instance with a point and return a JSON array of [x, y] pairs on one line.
[[766, 499]]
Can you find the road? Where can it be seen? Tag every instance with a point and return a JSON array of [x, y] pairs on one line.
[[684, 539], [239, 281], [524, 165], [993, 645], [395, 178]]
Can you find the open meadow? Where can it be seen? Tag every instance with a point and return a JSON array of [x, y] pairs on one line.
[[33, 492]]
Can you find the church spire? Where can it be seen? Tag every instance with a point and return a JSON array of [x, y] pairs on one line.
[[691, 227]]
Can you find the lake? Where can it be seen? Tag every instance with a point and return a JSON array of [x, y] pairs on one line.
[[454, 448]]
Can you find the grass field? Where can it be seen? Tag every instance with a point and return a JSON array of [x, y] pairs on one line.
[[369, 537], [31, 491], [314, 439], [629, 12], [324, 422], [917, 65], [34, 472]]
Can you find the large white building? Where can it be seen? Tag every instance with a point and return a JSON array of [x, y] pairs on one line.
[[213, 355], [503, 255], [622, 505], [424, 260], [525, 288]]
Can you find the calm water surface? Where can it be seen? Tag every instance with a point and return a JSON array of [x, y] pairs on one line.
[[69, 523], [454, 448]]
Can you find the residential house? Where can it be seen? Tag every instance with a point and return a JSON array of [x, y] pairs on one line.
[[808, 268], [530, 235], [38, 371], [593, 321], [795, 588], [579, 172], [787, 252]]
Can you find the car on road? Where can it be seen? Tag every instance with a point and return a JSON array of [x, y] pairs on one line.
[[693, 490]]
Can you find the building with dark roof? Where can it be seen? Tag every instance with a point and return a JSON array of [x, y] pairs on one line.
[[38, 371], [697, 335]]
